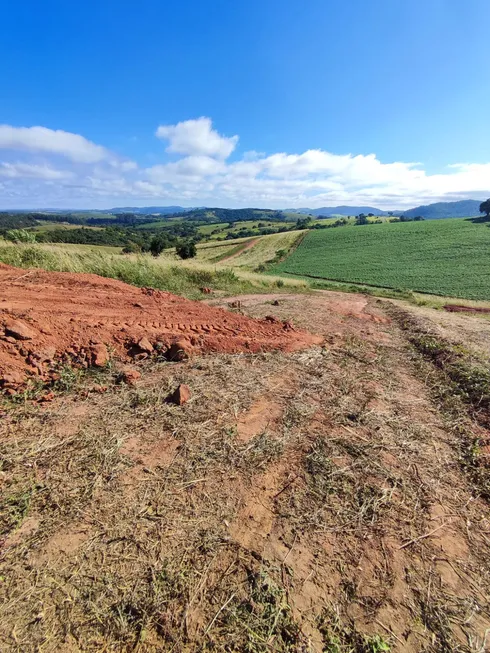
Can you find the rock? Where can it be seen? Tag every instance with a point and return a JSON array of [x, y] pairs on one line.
[[145, 345], [47, 397], [10, 339], [236, 304], [99, 388], [47, 354], [178, 351], [180, 395], [130, 376], [100, 355], [287, 326], [206, 291], [20, 331], [275, 302], [12, 378], [271, 319]]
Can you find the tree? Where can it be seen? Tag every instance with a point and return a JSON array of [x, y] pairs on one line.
[[304, 223], [485, 208], [157, 245], [131, 248], [361, 219], [418, 218], [186, 250]]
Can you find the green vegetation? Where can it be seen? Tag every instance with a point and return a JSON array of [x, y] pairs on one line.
[[165, 273], [485, 207], [444, 257]]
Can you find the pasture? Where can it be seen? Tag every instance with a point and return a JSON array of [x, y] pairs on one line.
[[444, 257]]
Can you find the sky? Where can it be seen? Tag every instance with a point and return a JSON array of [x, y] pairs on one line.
[[263, 103]]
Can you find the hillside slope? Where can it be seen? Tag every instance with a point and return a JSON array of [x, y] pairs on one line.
[[439, 210]]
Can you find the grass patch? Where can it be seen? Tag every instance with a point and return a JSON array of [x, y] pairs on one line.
[[345, 638], [143, 271]]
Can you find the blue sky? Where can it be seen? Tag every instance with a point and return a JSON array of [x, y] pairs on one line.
[[233, 103]]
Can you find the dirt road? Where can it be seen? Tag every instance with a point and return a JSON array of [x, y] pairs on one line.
[[316, 500]]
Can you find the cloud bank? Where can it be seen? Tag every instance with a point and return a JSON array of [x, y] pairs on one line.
[[199, 166]]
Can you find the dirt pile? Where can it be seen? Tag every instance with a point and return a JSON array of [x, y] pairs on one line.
[[47, 318]]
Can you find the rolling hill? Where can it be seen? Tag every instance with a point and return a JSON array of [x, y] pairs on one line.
[[439, 210]]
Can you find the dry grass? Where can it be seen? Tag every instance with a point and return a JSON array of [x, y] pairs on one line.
[[133, 524]]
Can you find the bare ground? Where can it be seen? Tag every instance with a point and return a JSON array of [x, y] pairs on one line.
[[305, 501]]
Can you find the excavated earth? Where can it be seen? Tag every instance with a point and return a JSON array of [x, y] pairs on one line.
[[48, 318]]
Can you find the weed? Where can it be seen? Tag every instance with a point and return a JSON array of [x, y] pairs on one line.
[[339, 637]]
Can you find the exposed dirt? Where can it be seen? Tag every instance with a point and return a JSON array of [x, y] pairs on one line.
[[247, 245], [460, 308], [300, 501], [45, 317]]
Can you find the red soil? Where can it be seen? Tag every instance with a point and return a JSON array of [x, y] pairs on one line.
[[76, 316], [458, 308]]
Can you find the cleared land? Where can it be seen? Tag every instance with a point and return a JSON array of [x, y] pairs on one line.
[[333, 499], [443, 257]]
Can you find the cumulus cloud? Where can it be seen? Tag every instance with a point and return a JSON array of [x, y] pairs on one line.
[[32, 171], [203, 173], [197, 137], [42, 139]]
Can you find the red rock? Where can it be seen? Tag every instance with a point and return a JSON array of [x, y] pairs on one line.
[[47, 397], [10, 339], [145, 345], [12, 378], [47, 354], [179, 351], [287, 326], [100, 389], [20, 331], [180, 395], [130, 376], [100, 355], [271, 319]]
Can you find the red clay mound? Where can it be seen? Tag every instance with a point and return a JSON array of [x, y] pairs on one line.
[[46, 317]]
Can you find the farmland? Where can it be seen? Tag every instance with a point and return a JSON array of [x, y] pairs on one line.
[[447, 257]]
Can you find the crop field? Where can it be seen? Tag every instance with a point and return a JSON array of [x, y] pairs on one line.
[[444, 257]]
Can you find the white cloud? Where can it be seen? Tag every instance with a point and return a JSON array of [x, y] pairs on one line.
[[197, 137], [90, 175], [41, 139], [32, 171]]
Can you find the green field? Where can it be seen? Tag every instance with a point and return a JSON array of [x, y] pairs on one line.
[[445, 257], [49, 226]]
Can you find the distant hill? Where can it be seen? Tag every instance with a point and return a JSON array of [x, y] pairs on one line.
[[439, 210], [436, 211], [148, 210], [212, 215], [342, 210]]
